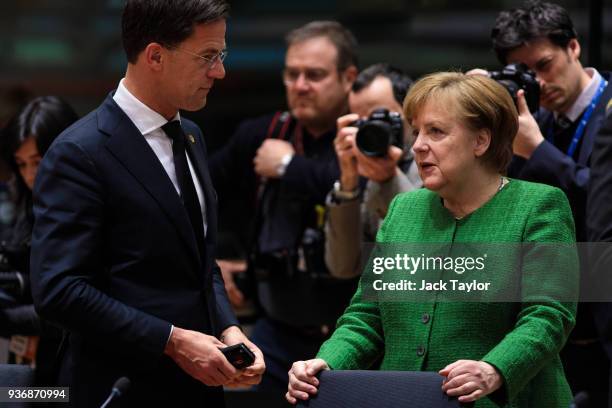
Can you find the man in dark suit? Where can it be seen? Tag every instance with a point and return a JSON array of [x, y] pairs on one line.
[[555, 145], [123, 245], [599, 229]]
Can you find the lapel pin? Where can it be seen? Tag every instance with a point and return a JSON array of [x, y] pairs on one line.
[[191, 138]]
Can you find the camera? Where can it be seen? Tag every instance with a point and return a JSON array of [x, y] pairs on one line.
[[517, 76], [381, 130]]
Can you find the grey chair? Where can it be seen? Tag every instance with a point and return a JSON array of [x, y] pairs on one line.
[[380, 389]]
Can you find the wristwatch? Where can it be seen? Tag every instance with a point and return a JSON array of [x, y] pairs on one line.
[[282, 167], [341, 195]]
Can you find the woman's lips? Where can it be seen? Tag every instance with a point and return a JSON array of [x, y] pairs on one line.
[[425, 166]]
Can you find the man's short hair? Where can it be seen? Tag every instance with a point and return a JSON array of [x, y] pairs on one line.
[[336, 33], [400, 81], [535, 19], [165, 22], [478, 102]]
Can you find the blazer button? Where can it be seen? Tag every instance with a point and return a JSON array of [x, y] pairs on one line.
[[425, 318], [420, 351]]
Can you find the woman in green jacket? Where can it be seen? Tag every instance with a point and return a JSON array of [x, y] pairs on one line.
[[502, 351]]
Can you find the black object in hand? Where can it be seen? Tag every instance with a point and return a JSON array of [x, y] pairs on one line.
[[239, 355]]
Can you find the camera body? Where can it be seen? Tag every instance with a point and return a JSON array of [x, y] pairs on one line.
[[381, 130], [517, 76]]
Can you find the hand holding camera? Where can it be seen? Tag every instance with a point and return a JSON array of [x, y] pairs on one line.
[[369, 147], [344, 144], [524, 88]]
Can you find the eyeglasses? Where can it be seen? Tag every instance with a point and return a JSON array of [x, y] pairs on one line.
[[290, 76], [211, 61]]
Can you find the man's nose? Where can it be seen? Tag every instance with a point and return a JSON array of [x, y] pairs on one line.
[[217, 70], [301, 83]]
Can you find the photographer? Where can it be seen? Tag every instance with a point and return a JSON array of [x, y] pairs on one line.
[[555, 146], [288, 163], [24, 141], [351, 219]]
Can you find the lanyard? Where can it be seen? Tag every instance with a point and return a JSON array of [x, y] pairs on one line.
[[585, 119]]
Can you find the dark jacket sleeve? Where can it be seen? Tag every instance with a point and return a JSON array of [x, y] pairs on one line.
[[551, 166], [310, 177], [225, 314], [599, 227], [67, 257], [235, 159], [599, 219]]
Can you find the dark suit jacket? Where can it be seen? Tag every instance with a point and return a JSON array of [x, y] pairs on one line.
[[599, 229], [551, 166], [115, 262]]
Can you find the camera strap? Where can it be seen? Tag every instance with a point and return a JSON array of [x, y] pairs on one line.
[[281, 126], [584, 121]]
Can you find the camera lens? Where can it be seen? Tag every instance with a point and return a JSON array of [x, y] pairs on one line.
[[373, 138]]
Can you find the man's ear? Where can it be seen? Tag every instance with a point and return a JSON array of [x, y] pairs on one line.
[[153, 56], [573, 49], [348, 76], [482, 142]]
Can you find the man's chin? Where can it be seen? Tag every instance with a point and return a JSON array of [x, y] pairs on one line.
[[554, 104], [195, 106], [304, 114]]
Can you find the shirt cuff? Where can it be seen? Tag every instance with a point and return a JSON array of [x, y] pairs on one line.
[[170, 335]]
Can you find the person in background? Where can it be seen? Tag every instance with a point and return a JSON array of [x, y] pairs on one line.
[[554, 146], [599, 229], [24, 142], [287, 161], [354, 216]]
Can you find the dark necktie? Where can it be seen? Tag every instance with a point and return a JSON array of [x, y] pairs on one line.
[[562, 122], [188, 192]]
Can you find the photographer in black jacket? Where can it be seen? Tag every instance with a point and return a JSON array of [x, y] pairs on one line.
[[288, 163], [24, 141]]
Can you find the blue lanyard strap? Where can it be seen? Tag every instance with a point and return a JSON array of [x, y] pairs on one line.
[[585, 119]]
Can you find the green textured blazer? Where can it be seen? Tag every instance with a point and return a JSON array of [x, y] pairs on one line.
[[522, 340]]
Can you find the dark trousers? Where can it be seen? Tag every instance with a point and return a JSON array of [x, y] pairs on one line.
[[282, 346], [587, 369]]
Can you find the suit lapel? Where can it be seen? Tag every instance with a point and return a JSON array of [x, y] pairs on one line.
[[129, 146]]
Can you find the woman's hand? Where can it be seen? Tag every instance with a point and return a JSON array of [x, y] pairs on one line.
[[470, 380], [302, 380]]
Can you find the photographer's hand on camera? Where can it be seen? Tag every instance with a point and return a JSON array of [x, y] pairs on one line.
[[379, 169], [344, 143], [271, 158], [478, 71], [529, 136]]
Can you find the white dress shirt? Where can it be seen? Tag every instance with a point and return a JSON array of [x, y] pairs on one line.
[[149, 124], [584, 99]]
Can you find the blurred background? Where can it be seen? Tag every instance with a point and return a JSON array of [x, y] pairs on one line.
[[73, 48]]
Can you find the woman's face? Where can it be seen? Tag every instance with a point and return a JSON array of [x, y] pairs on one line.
[[446, 151], [27, 159]]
